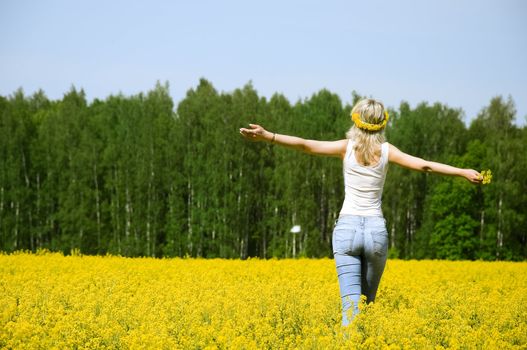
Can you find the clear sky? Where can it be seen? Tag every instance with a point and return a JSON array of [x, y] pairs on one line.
[[460, 53]]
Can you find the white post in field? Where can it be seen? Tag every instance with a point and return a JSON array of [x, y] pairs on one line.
[[295, 230]]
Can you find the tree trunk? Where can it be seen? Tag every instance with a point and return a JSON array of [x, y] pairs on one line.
[[30, 216], [17, 219], [294, 245], [393, 225], [39, 222], [412, 232], [149, 241], [323, 213], [189, 215], [50, 197], [408, 233], [97, 207], [238, 207], [81, 226], [2, 233], [246, 229], [128, 226], [481, 227], [115, 212], [264, 244], [499, 238]]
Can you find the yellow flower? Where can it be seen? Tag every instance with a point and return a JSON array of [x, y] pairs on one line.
[[49, 301], [486, 176]]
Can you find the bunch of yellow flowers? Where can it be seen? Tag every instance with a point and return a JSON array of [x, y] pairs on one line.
[[486, 176]]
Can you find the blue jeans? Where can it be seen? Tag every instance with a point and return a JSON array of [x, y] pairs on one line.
[[360, 245]]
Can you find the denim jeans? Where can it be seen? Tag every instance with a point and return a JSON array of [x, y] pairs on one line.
[[360, 245]]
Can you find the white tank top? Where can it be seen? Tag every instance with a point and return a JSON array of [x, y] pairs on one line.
[[363, 184]]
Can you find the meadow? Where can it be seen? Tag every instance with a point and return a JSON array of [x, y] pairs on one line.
[[51, 301]]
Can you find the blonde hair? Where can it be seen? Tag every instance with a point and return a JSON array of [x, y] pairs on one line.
[[366, 142]]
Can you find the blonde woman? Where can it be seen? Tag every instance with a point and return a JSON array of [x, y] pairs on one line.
[[360, 238]]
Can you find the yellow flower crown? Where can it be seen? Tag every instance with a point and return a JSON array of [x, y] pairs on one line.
[[367, 126]]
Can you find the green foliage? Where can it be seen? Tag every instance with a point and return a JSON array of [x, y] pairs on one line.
[[138, 176], [454, 234]]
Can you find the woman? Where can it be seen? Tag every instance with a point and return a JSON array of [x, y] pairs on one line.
[[360, 238]]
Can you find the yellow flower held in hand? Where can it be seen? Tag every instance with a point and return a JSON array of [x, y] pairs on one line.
[[486, 176]]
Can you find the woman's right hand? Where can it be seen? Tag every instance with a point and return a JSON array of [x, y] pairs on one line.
[[256, 133]]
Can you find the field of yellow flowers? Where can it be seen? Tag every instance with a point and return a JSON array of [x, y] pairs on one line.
[[48, 301]]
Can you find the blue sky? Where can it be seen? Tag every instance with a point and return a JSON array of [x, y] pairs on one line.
[[460, 53]]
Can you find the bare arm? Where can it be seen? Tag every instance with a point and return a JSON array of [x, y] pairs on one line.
[[324, 148], [414, 163]]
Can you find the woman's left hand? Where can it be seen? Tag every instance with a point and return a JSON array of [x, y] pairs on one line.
[[256, 133]]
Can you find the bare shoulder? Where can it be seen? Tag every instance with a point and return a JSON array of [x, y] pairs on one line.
[[392, 147], [395, 155], [342, 143], [405, 160], [393, 152], [327, 148], [339, 147], [342, 146]]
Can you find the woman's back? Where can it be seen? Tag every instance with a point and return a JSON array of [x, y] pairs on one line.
[[363, 184]]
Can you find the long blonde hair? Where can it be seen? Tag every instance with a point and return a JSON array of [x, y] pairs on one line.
[[367, 143]]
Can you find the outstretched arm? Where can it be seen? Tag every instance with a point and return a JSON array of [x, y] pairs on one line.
[[324, 148], [414, 163]]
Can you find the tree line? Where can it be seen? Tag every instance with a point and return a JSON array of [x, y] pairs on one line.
[[139, 176]]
